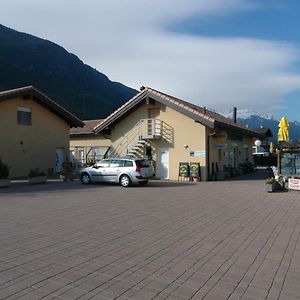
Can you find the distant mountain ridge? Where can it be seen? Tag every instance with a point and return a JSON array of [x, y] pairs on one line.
[[254, 119], [28, 60]]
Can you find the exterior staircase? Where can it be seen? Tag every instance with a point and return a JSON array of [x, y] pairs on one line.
[[134, 142]]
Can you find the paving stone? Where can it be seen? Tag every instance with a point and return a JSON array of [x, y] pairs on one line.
[[168, 239]]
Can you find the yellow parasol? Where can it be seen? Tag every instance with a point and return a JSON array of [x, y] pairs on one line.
[[283, 132]]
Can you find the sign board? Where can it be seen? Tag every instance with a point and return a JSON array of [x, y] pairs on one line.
[[294, 184], [194, 169], [184, 170], [198, 153], [221, 146]]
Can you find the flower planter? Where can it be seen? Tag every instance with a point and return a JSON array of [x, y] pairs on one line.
[[196, 179], [270, 187], [37, 179], [4, 183], [67, 177]]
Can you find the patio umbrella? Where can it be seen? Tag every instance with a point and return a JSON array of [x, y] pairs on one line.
[[283, 132]]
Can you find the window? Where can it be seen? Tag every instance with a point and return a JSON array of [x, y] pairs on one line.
[[24, 116], [116, 163], [220, 154], [103, 164], [246, 153], [128, 163], [142, 163]]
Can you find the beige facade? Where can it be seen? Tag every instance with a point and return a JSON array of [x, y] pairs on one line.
[[34, 145], [86, 148], [179, 136], [172, 131]]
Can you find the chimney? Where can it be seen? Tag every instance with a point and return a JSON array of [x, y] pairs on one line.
[[234, 114], [204, 110]]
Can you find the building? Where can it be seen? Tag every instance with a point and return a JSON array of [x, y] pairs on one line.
[[171, 131], [34, 132], [87, 147]]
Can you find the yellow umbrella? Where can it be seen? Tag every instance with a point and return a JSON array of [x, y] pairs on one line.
[[283, 132]]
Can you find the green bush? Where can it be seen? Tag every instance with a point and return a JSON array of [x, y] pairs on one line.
[[265, 160], [35, 173], [4, 170]]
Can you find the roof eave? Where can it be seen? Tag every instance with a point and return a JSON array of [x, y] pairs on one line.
[[232, 127], [45, 101]]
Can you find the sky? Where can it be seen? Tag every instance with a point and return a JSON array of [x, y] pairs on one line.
[[214, 53]]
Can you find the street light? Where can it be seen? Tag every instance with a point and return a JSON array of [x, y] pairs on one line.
[[257, 143]]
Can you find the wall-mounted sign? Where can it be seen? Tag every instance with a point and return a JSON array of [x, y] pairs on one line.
[[221, 146], [198, 153], [184, 170]]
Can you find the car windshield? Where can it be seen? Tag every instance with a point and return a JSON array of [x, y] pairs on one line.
[[142, 163]]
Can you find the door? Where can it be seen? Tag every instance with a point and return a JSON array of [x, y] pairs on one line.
[[59, 159], [100, 171], [234, 156], [164, 164]]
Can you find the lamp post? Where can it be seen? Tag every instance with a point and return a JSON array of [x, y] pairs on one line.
[[257, 143]]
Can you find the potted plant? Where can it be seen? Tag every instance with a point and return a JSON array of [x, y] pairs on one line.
[[4, 172], [270, 184], [35, 176], [68, 171]]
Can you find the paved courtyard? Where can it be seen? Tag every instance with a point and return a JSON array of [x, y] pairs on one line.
[[208, 240]]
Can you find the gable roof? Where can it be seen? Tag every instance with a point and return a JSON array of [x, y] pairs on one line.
[[199, 114], [29, 92], [265, 131], [88, 127]]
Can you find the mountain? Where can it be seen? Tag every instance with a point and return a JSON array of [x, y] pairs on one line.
[[28, 60], [254, 119]]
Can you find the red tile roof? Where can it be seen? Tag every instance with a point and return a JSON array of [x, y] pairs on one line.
[[88, 127], [200, 114], [29, 92]]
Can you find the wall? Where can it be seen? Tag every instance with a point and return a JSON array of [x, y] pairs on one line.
[[89, 141], [220, 140], [27, 147], [185, 132], [82, 146]]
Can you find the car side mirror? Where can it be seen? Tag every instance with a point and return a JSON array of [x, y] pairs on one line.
[[95, 167]]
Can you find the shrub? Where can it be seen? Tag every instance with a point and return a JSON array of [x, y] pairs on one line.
[[270, 180], [35, 173], [4, 170]]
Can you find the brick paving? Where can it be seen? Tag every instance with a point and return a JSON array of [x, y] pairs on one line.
[[207, 240]]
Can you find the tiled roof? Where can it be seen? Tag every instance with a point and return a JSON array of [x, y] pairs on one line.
[[29, 92], [265, 131], [199, 114], [88, 127]]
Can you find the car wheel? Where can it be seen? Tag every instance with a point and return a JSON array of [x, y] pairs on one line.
[[85, 178], [125, 181], [143, 182]]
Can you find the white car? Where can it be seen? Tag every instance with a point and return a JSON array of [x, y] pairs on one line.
[[125, 171]]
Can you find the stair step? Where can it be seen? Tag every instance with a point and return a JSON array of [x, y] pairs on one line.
[[142, 142]]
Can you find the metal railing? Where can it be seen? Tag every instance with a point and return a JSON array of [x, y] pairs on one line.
[[144, 129]]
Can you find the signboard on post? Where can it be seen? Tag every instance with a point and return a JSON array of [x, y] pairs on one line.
[[184, 170], [194, 169], [294, 184]]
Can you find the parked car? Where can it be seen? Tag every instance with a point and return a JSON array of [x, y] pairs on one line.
[[126, 171]]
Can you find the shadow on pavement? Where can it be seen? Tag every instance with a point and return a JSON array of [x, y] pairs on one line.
[[57, 185], [258, 175]]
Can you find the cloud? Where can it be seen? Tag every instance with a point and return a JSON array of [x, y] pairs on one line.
[[129, 41]]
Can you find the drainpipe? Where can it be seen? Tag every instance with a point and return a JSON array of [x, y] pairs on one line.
[[207, 156]]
